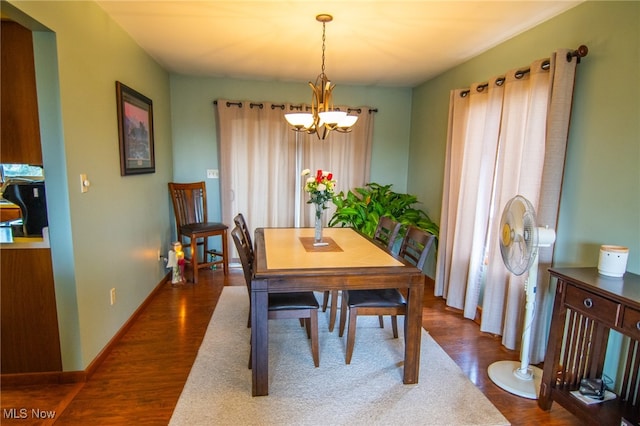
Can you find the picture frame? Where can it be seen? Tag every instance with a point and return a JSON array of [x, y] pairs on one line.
[[135, 131]]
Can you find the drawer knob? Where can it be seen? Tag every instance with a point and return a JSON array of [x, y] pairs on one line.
[[588, 303], [638, 325]]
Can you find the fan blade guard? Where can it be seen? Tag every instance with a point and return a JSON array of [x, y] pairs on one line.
[[518, 235]]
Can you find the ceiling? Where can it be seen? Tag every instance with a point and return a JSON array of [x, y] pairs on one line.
[[369, 42]]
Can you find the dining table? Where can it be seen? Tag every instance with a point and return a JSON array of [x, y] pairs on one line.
[[287, 260]]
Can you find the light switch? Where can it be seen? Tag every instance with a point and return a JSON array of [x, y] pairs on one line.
[[84, 183], [212, 173]]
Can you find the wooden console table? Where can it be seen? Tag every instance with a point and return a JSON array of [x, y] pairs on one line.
[[587, 306]]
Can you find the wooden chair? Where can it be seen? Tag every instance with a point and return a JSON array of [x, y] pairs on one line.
[[386, 233], [190, 209], [301, 305], [414, 249], [242, 224]]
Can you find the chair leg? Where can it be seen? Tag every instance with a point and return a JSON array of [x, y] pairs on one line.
[[381, 321], [194, 258], [249, 316], [225, 253], [333, 309], [394, 326], [313, 319], [250, 352], [343, 315], [351, 333], [307, 325], [325, 301]]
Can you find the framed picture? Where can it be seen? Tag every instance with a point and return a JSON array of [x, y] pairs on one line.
[[135, 131]]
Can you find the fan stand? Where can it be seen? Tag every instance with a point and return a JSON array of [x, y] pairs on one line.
[[520, 378], [508, 376]]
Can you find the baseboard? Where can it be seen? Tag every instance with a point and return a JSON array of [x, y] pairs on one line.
[[63, 377], [99, 359]]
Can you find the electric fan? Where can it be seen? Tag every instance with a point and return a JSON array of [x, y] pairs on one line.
[[519, 242]]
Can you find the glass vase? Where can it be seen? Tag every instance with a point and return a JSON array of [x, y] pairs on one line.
[[317, 237]]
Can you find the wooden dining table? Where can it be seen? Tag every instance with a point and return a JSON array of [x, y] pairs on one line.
[[287, 261]]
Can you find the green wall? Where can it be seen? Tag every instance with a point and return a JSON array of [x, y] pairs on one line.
[[194, 126], [108, 237], [600, 202]]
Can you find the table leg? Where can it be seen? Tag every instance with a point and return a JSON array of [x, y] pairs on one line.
[[413, 331], [259, 338]]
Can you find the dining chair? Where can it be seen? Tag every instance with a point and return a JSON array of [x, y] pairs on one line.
[[242, 224], [385, 234], [190, 209], [414, 249], [301, 305]]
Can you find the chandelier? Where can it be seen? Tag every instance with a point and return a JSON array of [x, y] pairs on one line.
[[323, 118]]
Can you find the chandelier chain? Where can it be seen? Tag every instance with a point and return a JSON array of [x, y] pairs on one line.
[[323, 42]]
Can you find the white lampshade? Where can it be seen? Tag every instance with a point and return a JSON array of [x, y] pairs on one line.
[[347, 121], [299, 119], [332, 118]]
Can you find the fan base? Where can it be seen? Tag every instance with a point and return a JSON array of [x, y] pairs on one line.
[[506, 375]]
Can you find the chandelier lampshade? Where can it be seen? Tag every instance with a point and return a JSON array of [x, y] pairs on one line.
[[323, 118]]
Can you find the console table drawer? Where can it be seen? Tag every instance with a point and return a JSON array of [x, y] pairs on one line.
[[631, 323], [592, 305]]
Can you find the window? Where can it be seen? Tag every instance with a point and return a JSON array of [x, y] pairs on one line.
[[21, 171]]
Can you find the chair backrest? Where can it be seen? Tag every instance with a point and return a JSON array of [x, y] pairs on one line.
[[415, 246], [189, 202], [242, 224], [246, 254], [387, 231]]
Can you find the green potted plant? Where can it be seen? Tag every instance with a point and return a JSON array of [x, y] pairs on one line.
[[361, 208]]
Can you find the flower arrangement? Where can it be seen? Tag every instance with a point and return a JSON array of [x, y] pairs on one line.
[[320, 188]]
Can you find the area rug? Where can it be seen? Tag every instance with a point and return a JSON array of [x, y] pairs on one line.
[[369, 391]]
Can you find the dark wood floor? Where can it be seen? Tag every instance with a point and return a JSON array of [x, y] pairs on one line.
[[141, 379]]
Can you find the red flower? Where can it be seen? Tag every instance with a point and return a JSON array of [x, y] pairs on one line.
[[319, 176], [330, 176]]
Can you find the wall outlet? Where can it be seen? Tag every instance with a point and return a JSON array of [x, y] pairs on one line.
[[212, 173], [112, 295]]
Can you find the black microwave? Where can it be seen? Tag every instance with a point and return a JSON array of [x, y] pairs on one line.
[[31, 198]]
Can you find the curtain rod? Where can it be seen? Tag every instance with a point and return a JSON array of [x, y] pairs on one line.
[[291, 107], [579, 53]]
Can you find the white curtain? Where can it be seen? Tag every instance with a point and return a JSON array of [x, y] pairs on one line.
[[258, 160], [506, 137]]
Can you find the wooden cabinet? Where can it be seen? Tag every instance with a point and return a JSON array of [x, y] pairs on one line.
[[587, 306], [19, 124], [29, 320]]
